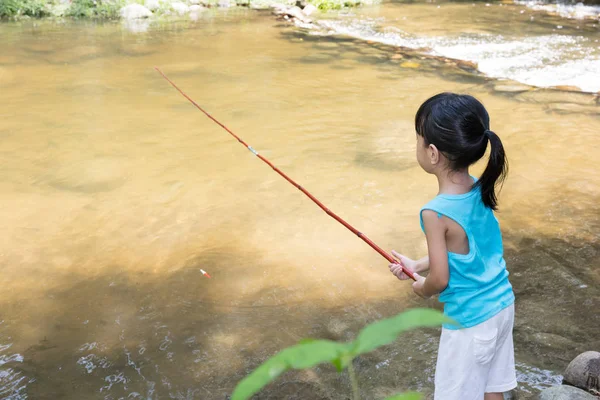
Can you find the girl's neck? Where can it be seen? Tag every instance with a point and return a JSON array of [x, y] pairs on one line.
[[454, 182]]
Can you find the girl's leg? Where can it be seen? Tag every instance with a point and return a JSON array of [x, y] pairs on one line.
[[493, 396]]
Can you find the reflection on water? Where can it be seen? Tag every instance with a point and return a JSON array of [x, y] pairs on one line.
[[116, 192]]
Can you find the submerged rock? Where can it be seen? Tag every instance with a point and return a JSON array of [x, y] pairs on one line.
[[511, 87], [567, 108], [410, 64], [89, 176], [135, 11], [564, 392], [584, 371]]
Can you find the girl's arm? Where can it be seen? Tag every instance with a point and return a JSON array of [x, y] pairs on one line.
[[437, 280], [422, 265]]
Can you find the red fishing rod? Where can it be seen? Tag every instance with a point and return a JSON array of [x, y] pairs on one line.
[[290, 180]]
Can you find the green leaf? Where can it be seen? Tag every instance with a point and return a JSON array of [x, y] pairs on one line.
[[304, 355], [386, 331], [406, 396]]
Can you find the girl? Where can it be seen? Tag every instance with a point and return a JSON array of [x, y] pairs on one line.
[[465, 261]]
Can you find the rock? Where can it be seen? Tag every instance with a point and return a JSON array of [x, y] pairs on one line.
[[309, 9], [584, 371], [135, 11], [224, 3], [196, 8], [179, 7], [466, 65], [194, 2], [152, 4], [260, 4], [290, 12], [567, 88], [564, 392], [569, 108], [397, 57], [59, 9], [301, 3], [558, 96]]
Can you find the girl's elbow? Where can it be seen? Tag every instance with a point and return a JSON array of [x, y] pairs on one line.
[[441, 283]]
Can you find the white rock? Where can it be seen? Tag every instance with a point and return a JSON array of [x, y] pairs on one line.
[[224, 3], [196, 8], [135, 11], [194, 1], [152, 4], [179, 7], [309, 9], [294, 12]]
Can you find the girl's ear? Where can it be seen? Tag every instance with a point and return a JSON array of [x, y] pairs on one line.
[[434, 154]]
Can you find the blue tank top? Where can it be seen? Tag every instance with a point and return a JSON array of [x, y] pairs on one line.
[[478, 287]]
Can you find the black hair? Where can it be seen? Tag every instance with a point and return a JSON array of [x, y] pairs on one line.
[[459, 126]]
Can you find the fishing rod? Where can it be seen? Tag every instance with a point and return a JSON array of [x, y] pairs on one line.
[[290, 180]]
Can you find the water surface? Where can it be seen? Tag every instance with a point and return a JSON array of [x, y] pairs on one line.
[[116, 192]]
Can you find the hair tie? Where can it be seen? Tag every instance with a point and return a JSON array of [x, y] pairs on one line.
[[487, 133]]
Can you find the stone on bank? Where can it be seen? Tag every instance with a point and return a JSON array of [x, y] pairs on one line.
[[565, 392], [584, 372], [135, 11]]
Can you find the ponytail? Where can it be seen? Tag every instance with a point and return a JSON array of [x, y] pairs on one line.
[[458, 125], [495, 172]]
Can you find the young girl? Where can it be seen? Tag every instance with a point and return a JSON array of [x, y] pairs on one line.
[[465, 261]]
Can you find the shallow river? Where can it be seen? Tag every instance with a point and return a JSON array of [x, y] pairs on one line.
[[115, 192]]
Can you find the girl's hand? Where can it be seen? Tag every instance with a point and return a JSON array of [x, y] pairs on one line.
[[396, 269], [418, 286]]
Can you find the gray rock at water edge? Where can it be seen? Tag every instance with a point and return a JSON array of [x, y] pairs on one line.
[[564, 392], [180, 8], [135, 11], [152, 4], [584, 371], [309, 9], [290, 12]]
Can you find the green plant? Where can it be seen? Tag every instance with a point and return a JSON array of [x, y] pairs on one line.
[[105, 9], [309, 352], [81, 8], [109, 9], [14, 8]]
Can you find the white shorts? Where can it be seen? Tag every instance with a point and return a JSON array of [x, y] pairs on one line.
[[477, 360]]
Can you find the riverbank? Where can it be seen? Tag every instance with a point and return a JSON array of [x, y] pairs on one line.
[[130, 9]]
